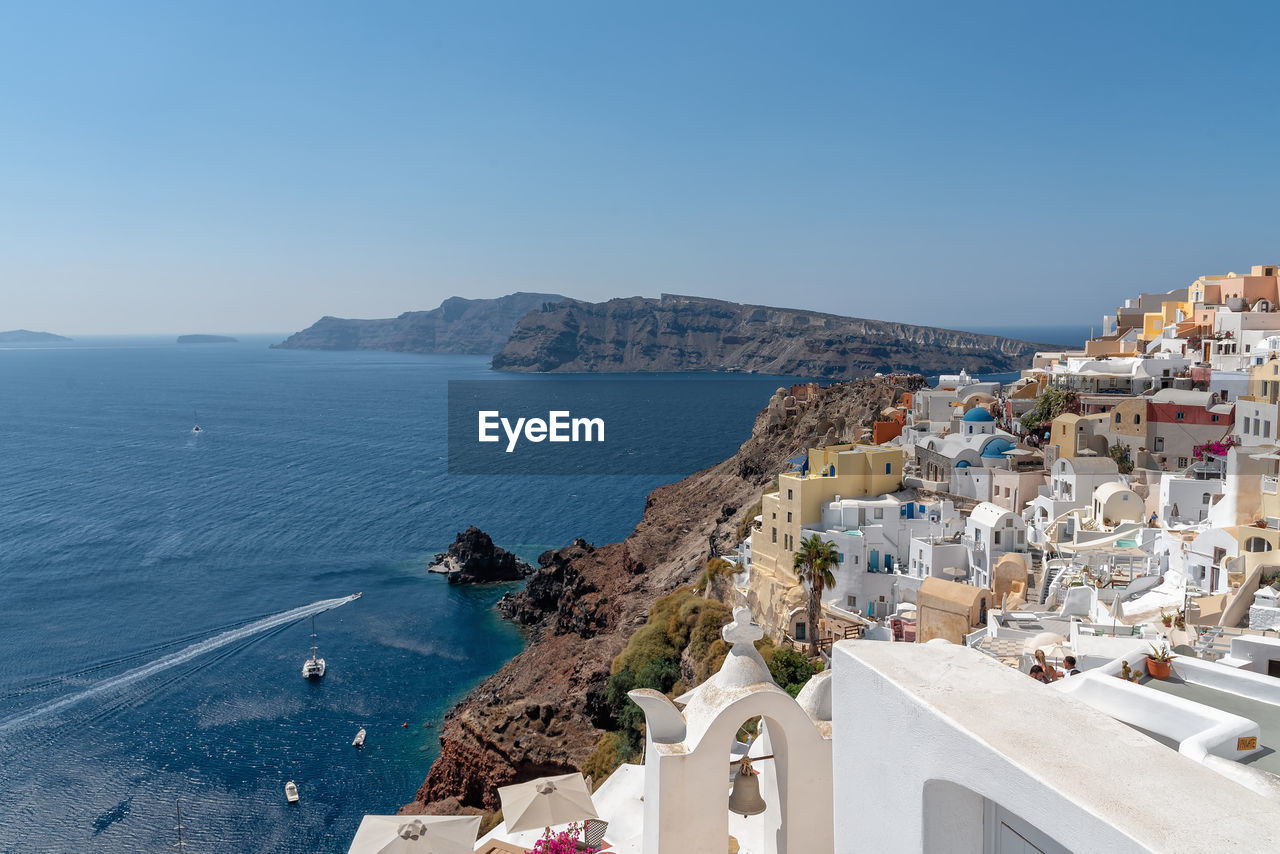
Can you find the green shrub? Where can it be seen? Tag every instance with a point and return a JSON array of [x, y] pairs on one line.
[[678, 622], [791, 669], [610, 752]]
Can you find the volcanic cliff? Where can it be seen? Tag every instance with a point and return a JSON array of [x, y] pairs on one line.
[[538, 715], [680, 333], [468, 326]]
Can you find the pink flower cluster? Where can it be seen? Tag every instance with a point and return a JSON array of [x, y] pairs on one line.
[[561, 842], [1217, 449]]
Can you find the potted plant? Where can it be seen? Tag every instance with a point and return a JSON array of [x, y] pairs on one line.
[[1159, 661], [1167, 619], [1180, 620]]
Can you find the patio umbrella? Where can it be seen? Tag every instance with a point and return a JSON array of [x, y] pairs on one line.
[[422, 834], [1042, 640], [546, 802]]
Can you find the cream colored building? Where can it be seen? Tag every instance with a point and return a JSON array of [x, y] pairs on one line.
[[775, 594]]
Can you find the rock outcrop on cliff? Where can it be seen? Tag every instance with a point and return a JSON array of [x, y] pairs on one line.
[[474, 559], [468, 326], [679, 333], [539, 714]]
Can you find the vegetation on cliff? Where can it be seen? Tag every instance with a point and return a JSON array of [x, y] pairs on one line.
[[678, 648]]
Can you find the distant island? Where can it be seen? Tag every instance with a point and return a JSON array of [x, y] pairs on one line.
[[26, 336], [546, 333], [205, 339], [683, 333], [477, 327]]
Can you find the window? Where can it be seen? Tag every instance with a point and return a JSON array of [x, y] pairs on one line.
[[1218, 555], [1181, 415], [788, 495], [851, 601], [1204, 499], [879, 514], [1215, 419], [1257, 544], [788, 517], [888, 468], [1245, 422], [1266, 429], [1117, 417], [996, 538], [775, 535], [1159, 443], [1137, 419], [1182, 462], [799, 631], [840, 557]]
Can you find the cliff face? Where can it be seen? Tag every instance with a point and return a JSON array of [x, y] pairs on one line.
[[677, 333], [468, 326], [538, 714]]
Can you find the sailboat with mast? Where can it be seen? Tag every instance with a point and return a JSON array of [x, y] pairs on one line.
[[313, 667]]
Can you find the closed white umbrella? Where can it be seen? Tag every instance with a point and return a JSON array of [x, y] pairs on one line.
[[418, 834], [1044, 639], [546, 802]]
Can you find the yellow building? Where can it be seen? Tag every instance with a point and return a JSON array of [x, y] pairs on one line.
[[1171, 312], [1264, 382], [850, 471], [847, 471], [1074, 434]]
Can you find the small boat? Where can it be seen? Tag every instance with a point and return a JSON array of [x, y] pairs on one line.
[[196, 417], [313, 667], [358, 741], [291, 792]]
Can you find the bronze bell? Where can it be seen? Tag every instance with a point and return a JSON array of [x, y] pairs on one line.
[[745, 798]]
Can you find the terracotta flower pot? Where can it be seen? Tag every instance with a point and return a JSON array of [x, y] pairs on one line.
[[1158, 669]]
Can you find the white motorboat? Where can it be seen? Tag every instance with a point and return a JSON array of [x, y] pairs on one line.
[[313, 667], [358, 741], [291, 792], [196, 418]]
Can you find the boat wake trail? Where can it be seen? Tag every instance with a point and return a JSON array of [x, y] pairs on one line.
[[172, 660]]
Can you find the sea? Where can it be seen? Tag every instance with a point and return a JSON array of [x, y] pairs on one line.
[[159, 587]]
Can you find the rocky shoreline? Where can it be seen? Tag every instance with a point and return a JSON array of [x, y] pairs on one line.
[[474, 559], [543, 712]]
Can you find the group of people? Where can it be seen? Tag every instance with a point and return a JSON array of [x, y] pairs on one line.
[[1043, 671]]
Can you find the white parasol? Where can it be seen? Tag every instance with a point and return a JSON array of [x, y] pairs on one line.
[[546, 802], [421, 834]]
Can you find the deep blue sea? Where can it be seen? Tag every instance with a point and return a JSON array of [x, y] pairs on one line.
[[156, 585]]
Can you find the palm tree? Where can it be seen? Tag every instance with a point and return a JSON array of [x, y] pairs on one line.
[[813, 563]]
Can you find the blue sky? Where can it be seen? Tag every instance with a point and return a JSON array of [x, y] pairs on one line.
[[247, 167]]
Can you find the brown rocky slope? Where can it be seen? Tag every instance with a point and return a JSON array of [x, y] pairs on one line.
[[538, 715]]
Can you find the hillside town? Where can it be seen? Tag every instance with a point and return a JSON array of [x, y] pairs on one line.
[[1045, 610]]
